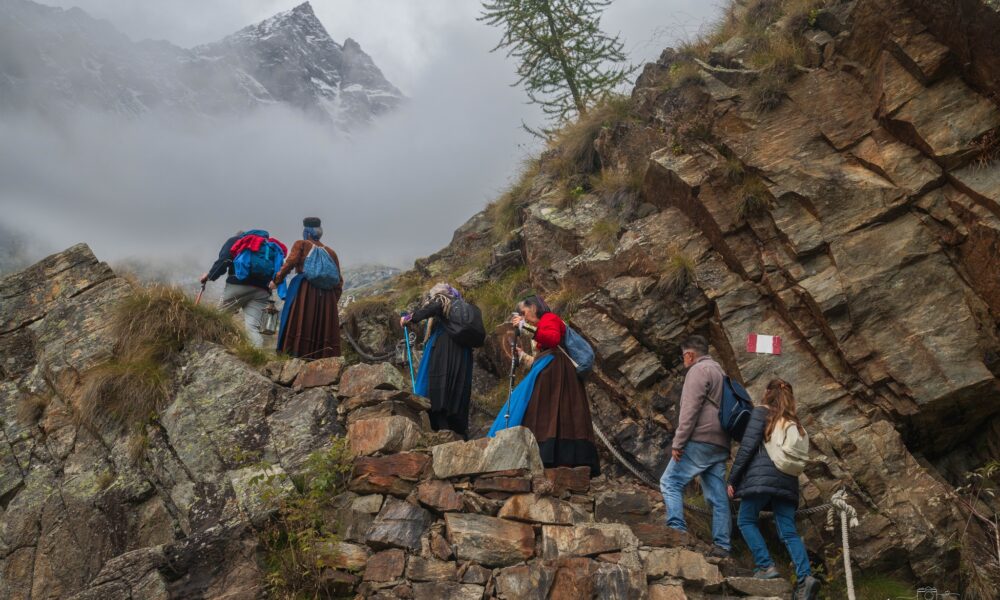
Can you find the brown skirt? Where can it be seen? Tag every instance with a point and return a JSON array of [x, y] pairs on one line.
[[313, 329], [559, 416]]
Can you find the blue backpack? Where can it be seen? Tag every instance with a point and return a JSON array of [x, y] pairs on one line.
[[735, 408], [320, 270], [260, 265], [579, 351]]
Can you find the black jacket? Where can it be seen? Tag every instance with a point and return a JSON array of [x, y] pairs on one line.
[[753, 471], [224, 264]]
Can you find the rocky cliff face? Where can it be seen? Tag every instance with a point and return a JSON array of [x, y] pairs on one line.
[[852, 210], [87, 514]]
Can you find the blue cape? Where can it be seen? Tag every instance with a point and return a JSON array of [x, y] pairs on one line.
[[422, 386], [290, 293], [519, 399]]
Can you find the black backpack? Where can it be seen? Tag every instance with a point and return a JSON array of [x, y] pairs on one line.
[[464, 324]]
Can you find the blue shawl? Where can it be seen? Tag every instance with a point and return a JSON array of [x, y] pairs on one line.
[[519, 399], [290, 294], [422, 386]]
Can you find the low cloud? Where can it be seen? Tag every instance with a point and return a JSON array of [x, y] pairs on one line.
[[153, 189]]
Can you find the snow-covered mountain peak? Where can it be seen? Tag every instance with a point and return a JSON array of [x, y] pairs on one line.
[[59, 59]]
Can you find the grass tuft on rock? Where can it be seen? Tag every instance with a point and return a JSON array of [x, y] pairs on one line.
[[504, 211], [497, 298], [678, 273], [683, 74], [31, 407], [574, 143], [755, 199], [125, 392], [150, 328], [603, 234]]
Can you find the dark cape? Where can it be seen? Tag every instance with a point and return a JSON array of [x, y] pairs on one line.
[[310, 322], [559, 416], [447, 369]]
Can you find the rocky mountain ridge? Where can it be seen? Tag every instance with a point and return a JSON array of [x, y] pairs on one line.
[[57, 60]]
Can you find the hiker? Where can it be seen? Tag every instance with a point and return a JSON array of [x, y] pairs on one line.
[[755, 479], [701, 446], [551, 400], [445, 373], [250, 259], [310, 322]]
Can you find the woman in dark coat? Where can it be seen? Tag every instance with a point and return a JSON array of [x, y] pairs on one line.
[[445, 374], [310, 323], [759, 485], [551, 400]]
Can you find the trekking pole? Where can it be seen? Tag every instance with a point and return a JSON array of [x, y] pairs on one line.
[[197, 300], [513, 366], [409, 356]]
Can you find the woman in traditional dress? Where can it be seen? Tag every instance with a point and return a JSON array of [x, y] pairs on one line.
[[310, 323], [551, 401], [445, 374]]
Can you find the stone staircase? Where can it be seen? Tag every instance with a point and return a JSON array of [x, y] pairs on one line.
[[431, 517]]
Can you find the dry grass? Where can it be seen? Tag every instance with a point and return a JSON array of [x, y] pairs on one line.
[[366, 308], [504, 212], [566, 300], [158, 321], [800, 15], [125, 393], [604, 234], [150, 328], [987, 149], [610, 182], [755, 199], [733, 171], [780, 55], [766, 93], [409, 289], [678, 273], [497, 298], [31, 407], [575, 141], [683, 74], [571, 193]]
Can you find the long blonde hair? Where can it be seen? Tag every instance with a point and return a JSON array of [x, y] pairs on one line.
[[781, 402]]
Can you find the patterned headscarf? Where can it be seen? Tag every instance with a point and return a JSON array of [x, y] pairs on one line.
[[443, 293], [312, 233]]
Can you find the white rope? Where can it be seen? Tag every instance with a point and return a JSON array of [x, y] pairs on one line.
[[848, 518]]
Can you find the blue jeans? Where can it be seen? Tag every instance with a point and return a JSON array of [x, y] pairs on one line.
[[784, 520], [708, 461]]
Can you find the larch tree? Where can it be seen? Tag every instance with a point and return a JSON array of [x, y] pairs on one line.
[[566, 63]]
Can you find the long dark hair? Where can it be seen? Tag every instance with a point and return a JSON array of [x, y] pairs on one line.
[[781, 401], [541, 308]]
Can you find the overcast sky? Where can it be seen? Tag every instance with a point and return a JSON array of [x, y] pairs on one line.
[[138, 190]]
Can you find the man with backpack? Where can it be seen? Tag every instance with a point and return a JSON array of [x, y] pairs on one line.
[[700, 446], [249, 259]]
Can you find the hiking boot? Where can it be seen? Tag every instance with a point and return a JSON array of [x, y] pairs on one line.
[[806, 589], [768, 573], [719, 552]]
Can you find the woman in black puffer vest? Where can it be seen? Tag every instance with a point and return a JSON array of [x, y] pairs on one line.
[[760, 485]]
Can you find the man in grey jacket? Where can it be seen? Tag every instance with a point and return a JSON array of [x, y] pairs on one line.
[[701, 446]]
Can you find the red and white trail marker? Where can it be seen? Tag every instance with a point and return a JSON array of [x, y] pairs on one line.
[[764, 344]]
